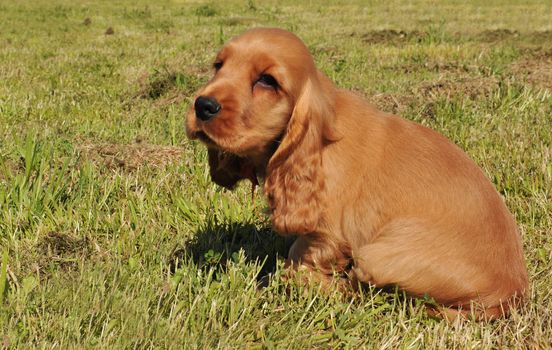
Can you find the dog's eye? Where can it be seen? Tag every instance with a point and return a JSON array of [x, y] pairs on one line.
[[267, 80], [217, 65]]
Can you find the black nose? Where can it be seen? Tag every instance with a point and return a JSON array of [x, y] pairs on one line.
[[206, 107]]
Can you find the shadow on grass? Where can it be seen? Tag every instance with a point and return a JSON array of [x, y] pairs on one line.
[[216, 244]]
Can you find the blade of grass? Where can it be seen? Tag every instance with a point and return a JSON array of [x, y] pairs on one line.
[[4, 275]]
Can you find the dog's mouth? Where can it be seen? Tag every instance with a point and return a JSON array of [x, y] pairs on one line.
[[246, 168], [203, 137]]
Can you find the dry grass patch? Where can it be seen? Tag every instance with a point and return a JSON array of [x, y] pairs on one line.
[[131, 157], [53, 251], [490, 36], [168, 85], [392, 102], [467, 86], [61, 249], [390, 36], [535, 70], [425, 94]]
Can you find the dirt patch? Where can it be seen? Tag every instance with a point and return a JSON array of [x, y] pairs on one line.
[[325, 49], [394, 37], [8, 168], [535, 71], [470, 87], [53, 252], [541, 38], [131, 157], [533, 54], [519, 38], [61, 244], [62, 250], [422, 99], [232, 21], [167, 86], [535, 67], [392, 103], [153, 86], [450, 67], [400, 104], [6, 342], [489, 36], [432, 66], [391, 36]]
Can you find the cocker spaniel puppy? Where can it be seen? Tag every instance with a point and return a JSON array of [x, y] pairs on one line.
[[388, 200]]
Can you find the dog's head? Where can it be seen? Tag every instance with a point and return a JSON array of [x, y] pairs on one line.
[[247, 104]]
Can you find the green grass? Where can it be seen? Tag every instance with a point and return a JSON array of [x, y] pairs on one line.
[[112, 234]]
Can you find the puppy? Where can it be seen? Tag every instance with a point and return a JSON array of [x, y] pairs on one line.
[[397, 201]]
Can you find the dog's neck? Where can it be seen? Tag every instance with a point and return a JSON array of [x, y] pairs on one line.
[[260, 161]]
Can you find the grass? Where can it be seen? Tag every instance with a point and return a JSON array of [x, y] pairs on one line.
[[112, 234]]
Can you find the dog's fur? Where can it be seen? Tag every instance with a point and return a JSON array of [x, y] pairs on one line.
[[397, 201]]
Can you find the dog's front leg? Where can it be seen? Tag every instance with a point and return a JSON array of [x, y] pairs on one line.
[[313, 258]]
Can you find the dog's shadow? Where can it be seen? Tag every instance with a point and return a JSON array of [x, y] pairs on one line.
[[214, 245], [217, 243]]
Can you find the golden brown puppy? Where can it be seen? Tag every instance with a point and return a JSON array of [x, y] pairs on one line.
[[397, 201]]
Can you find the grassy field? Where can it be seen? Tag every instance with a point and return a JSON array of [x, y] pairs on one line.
[[112, 234]]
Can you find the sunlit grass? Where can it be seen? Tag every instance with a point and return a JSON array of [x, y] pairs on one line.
[[112, 234]]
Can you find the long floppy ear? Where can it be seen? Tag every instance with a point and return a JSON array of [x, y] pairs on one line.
[[227, 169], [294, 180]]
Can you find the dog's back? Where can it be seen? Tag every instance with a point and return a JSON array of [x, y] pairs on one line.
[[424, 216]]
